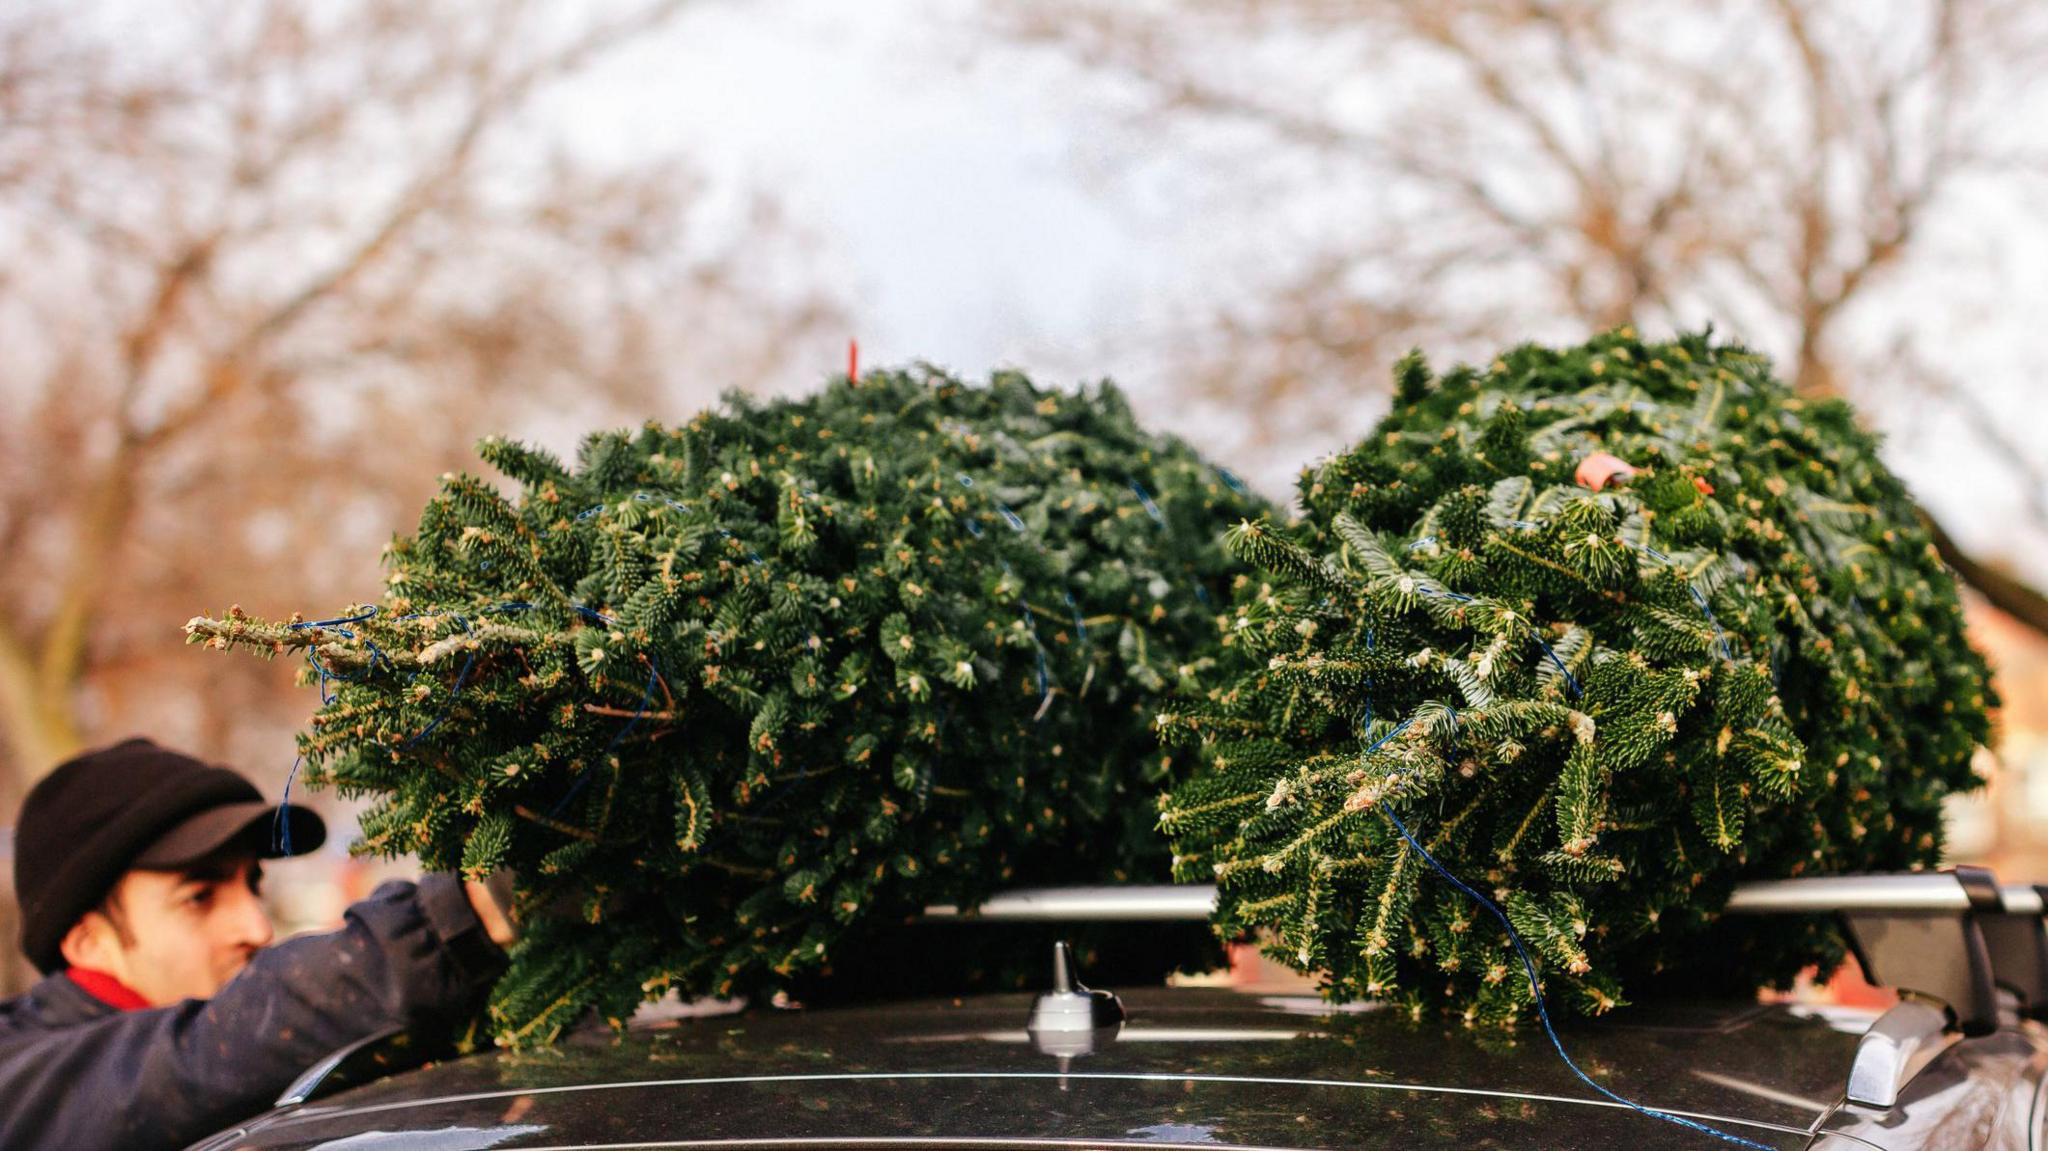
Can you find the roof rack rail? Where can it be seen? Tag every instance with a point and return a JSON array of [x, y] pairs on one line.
[[1134, 903], [1952, 936]]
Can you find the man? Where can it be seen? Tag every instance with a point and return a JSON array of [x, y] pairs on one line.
[[165, 1014]]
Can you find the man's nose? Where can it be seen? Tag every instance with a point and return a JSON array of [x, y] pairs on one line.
[[252, 922]]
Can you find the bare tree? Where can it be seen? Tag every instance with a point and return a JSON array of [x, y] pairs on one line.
[[265, 270], [1483, 171]]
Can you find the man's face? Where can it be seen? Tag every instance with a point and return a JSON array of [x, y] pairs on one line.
[[174, 935]]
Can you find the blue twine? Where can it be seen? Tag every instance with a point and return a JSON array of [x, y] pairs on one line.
[[313, 659], [583, 777], [751, 553], [1570, 680], [1699, 598], [1231, 481], [1044, 679], [281, 827], [339, 624], [1535, 980], [646, 698], [461, 678], [1015, 521], [1080, 625], [1145, 497], [642, 496]]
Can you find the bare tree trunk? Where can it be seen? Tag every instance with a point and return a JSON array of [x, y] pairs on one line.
[[2005, 592], [38, 728]]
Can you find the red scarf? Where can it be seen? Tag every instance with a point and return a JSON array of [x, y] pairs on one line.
[[107, 989]]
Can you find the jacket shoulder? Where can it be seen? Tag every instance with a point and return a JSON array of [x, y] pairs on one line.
[[51, 1005]]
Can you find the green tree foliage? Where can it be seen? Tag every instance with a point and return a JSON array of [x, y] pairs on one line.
[[723, 694], [1603, 709]]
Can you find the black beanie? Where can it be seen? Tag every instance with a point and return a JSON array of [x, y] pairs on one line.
[[86, 823]]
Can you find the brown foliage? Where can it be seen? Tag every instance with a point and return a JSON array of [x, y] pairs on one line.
[[1487, 171], [274, 268]]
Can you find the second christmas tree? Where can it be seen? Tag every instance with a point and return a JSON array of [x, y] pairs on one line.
[[1608, 629]]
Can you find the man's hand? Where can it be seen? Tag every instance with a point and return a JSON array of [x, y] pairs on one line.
[[497, 924]]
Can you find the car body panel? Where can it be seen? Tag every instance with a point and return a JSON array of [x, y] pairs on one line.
[[1191, 1067], [1980, 1093]]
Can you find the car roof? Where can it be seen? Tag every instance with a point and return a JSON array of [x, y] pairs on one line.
[[1192, 1066]]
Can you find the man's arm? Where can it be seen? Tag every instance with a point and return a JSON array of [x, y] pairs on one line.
[[411, 956]]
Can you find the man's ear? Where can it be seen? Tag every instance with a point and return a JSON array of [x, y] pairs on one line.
[[99, 941], [91, 943]]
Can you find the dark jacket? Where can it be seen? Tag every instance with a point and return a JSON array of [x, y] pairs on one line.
[[77, 1075]]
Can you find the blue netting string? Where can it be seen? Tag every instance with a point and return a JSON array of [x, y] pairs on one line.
[[281, 824], [1145, 498], [583, 777], [1570, 680], [1699, 598], [1535, 980], [340, 626]]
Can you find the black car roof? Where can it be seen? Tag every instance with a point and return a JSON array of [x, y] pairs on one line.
[[1191, 1067]]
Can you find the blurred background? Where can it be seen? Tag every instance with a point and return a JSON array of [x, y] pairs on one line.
[[267, 270]]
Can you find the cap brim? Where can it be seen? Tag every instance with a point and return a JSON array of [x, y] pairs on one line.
[[254, 828]]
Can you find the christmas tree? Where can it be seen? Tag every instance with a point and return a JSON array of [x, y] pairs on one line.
[[1608, 629], [723, 695]]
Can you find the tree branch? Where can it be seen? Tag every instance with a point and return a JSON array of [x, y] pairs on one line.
[[2005, 592]]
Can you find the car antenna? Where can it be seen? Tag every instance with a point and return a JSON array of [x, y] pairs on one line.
[[1072, 1019]]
